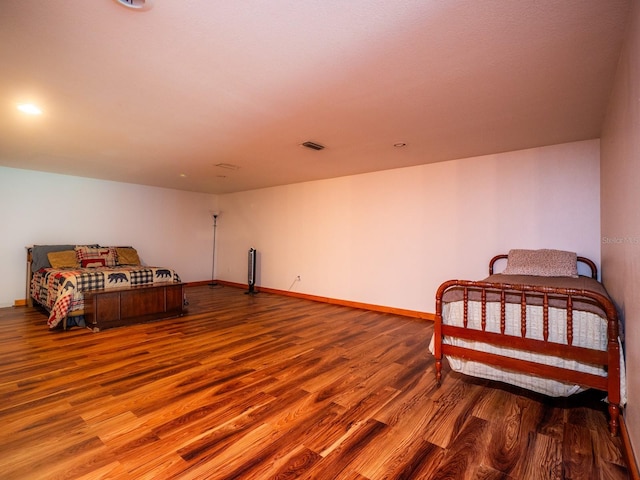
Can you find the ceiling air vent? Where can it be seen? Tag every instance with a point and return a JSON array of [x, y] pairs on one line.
[[313, 145], [227, 166]]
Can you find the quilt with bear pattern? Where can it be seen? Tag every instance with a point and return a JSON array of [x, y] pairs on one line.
[[60, 291]]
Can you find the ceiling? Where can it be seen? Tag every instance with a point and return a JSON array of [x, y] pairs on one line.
[[163, 96]]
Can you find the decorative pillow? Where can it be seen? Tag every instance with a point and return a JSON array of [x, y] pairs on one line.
[[127, 256], [543, 263], [64, 259], [39, 255], [107, 254], [93, 262]]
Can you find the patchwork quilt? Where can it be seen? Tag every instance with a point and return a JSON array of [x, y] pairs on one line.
[[60, 291]]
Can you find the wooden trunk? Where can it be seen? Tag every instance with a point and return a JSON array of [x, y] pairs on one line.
[[117, 307]]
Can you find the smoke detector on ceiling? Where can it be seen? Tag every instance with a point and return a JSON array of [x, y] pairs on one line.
[[140, 5]]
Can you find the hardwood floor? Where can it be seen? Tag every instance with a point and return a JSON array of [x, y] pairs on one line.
[[267, 386]]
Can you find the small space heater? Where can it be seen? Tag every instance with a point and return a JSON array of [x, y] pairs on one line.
[[253, 253]]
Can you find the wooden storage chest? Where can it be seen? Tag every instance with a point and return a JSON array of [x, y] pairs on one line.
[[116, 307]]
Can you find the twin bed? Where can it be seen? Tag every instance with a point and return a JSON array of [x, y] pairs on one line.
[[537, 325], [59, 277]]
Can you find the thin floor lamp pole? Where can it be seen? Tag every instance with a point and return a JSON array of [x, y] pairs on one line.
[[213, 261]]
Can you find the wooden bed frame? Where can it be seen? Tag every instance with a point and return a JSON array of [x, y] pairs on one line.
[[610, 359], [107, 308]]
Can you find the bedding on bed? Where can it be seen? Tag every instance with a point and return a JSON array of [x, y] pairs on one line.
[[60, 291]]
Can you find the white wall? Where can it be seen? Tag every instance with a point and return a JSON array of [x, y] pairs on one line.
[[390, 238], [168, 227], [621, 208], [386, 238]]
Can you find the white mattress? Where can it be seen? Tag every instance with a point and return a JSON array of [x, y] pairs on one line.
[[589, 330]]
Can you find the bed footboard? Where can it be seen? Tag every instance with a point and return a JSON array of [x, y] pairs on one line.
[[117, 307], [485, 296]]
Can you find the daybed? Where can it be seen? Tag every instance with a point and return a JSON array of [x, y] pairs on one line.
[[538, 325], [100, 286]]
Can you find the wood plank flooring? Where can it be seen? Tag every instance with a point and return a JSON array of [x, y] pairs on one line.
[[267, 386]]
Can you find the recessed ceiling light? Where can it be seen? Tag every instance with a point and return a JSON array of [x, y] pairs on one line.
[[136, 4], [183, 175], [29, 108]]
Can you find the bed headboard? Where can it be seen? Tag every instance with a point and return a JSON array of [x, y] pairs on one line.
[[590, 263]]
